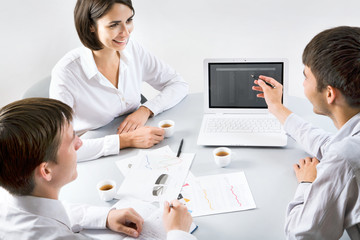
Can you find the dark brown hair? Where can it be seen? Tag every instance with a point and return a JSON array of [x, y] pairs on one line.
[[86, 13], [29, 135], [334, 58]]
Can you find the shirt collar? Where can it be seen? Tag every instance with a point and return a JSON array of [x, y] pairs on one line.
[[45, 207], [88, 63], [89, 66], [350, 128]]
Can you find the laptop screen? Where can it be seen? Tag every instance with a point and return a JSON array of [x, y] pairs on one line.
[[230, 84]]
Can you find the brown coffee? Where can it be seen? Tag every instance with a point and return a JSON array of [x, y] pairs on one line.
[[222, 154], [106, 187], [166, 125]]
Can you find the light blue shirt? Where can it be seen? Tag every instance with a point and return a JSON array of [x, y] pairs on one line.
[[331, 204]]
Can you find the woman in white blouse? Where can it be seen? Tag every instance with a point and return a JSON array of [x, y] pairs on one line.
[[102, 80]]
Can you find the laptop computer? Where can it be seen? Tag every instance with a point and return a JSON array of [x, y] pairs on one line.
[[233, 115]]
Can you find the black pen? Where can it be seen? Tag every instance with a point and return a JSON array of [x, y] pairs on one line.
[[269, 84], [179, 151]]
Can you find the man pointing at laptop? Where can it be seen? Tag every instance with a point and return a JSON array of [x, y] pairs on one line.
[[327, 199]]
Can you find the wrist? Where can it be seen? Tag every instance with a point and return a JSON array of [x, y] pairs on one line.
[[107, 219], [148, 111], [124, 140], [280, 112]]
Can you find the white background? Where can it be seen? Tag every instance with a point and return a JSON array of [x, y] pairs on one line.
[[36, 34]]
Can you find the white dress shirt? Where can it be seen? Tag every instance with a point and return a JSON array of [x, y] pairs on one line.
[[28, 217], [77, 82], [331, 204]]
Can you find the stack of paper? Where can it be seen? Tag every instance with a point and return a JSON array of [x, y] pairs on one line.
[[154, 176]]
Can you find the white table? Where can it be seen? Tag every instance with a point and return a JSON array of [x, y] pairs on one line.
[[268, 171]]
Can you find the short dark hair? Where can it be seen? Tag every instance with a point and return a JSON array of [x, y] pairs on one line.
[[86, 13], [334, 58], [30, 132]]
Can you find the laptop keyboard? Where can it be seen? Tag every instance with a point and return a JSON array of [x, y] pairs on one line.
[[241, 125]]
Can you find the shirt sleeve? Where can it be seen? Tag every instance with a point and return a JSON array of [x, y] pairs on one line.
[[59, 90], [179, 235], [163, 78], [98, 147], [312, 139], [86, 216], [318, 210]]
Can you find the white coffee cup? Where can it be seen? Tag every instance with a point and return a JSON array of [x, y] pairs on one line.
[[222, 156], [106, 189], [168, 126]]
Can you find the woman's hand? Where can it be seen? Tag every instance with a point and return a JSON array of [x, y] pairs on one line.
[[135, 120], [142, 137]]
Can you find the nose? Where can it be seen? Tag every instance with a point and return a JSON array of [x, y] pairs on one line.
[[124, 30], [78, 143]]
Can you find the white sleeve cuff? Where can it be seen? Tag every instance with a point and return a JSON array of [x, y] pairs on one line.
[[111, 144], [179, 235], [98, 147]]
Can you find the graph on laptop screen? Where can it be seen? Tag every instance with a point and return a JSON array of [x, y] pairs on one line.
[[230, 84]]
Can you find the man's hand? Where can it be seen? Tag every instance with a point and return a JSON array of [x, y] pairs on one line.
[[143, 137], [272, 97], [126, 221], [306, 169], [135, 120], [176, 217]]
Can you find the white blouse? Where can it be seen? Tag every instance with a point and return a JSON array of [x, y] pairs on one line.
[[77, 82]]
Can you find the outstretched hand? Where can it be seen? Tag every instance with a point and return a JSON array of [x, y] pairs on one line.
[[272, 97]]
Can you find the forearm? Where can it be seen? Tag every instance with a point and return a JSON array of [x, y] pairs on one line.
[[168, 97], [280, 112], [312, 139], [98, 147]]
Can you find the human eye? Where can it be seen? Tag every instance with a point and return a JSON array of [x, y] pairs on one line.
[[129, 20], [114, 25]]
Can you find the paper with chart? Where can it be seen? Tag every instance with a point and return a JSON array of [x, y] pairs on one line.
[[156, 176], [217, 194], [125, 164]]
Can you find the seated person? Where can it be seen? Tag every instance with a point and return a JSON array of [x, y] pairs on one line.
[[327, 200], [102, 80], [37, 158]]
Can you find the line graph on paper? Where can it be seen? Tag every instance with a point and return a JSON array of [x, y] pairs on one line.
[[159, 161], [217, 194]]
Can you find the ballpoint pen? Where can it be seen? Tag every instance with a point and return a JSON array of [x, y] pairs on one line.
[[256, 78], [179, 151]]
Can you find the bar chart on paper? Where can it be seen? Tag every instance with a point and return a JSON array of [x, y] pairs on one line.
[[217, 194]]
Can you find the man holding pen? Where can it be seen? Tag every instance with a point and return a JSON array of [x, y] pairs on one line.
[[37, 158], [327, 200]]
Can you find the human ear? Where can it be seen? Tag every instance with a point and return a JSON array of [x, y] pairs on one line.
[[331, 94], [92, 28], [44, 171]]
